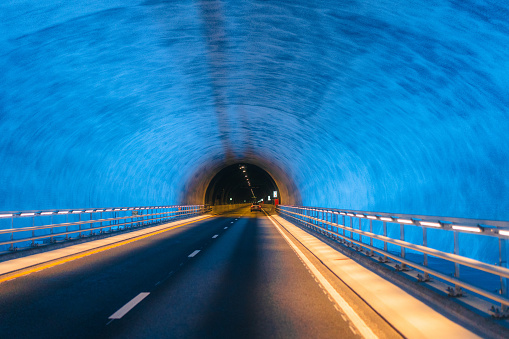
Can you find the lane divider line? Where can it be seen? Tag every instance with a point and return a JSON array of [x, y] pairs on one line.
[[193, 254], [215, 236], [357, 321], [39, 267], [129, 306], [225, 227]]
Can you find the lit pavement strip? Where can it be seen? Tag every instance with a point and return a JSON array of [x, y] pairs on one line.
[[129, 306], [351, 314], [193, 254]]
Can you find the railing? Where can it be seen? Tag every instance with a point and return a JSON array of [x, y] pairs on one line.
[[368, 231], [22, 229]]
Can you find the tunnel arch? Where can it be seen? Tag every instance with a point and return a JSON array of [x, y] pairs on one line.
[[196, 188]]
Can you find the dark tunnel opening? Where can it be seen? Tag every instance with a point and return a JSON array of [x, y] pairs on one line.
[[241, 183]]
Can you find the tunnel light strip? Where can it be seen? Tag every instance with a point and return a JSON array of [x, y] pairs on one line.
[[99, 210], [430, 224], [466, 228], [76, 212], [26, 214], [385, 219], [89, 211], [47, 213], [5, 215], [108, 210], [63, 212], [371, 217], [405, 221], [359, 215], [350, 214], [502, 232]]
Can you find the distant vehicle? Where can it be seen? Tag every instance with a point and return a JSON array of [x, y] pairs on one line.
[[256, 207]]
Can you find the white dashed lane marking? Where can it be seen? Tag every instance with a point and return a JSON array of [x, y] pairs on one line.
[[215, 236], [129, 306], [225, 227], [193, 254]]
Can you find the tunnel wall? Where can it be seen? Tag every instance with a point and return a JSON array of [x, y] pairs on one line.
[[397, 106]]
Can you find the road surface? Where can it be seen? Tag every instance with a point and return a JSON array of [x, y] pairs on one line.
[[233, 276]]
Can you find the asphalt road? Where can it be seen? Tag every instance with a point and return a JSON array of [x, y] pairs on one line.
[[228, 277]]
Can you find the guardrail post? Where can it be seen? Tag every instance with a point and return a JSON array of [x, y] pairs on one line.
[[51, 239], [360, 229], [425, 244], [351, 228], [503, 248], [344, 229], [385, 259], [457, 289], [371, 253], [336, 221], [12, 233], [112, 221], [33, 231], [403, 250]]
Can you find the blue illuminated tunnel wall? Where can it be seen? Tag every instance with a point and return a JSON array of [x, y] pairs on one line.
[[398, 106]]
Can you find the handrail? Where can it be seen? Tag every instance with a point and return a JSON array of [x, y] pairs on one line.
[[77, 223], [139, 216], [316, 218]]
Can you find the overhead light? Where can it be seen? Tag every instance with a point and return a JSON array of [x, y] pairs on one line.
[[502, 232], [76, 212], [99, 210], [63, 212], [108, 210], [430, 224], [385, 219], [350, 214], [89, 211], [5, 215], [405, 221], [466, 228], [47, 213], [371, 217], [359, 215], [26, 214], [342, 213]]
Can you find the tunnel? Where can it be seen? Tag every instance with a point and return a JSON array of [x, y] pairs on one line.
[[392, 107], [240, 183]]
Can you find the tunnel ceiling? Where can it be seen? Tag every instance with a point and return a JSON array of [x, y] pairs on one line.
[[397, 106]]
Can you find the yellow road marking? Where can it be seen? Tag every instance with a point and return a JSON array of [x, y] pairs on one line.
[[38, 268]]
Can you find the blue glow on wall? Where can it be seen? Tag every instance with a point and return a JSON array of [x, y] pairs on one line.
[[397, 106]]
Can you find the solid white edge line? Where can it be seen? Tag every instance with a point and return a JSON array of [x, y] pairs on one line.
[[350, 313], [193, 254], [129, 306]]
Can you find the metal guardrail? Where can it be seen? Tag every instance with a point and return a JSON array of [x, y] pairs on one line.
[[50, 226], [347, 227]]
